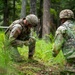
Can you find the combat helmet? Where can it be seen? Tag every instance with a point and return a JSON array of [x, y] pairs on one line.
[[67, 13], [32, 19]]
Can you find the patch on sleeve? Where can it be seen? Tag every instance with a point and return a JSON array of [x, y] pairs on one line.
[[18, 30], [18, 27]]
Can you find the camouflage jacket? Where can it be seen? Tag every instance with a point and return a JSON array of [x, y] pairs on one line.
[[65, 39], [18, 32]]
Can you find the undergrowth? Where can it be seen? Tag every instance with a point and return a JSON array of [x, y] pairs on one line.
[[43, 53]]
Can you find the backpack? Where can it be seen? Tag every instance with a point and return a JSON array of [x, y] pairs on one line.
[[69, 45], [11, 26]]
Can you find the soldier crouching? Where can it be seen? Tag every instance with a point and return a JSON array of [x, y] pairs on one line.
[[19, 34]]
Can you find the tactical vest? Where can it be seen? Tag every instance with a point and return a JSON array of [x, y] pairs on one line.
[[25, 32], [69, 44]]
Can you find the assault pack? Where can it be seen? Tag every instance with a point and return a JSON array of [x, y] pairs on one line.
[[11, 26]]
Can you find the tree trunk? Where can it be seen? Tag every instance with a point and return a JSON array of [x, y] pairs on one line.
[[33, 6], [33, 11], [39, 29], [23, 9], [13, 10], [5, 23], [46, 19]]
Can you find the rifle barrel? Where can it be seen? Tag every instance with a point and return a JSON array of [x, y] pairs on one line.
[[4, 27]]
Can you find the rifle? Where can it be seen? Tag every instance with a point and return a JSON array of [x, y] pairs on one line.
[[4, 27]]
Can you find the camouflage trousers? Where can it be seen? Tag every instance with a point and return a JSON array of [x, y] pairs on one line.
[[15, 55], [69, 69]]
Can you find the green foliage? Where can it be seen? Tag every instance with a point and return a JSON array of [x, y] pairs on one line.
[[43, 53], [55, 1], [68, 4], [2, 53], [43, 50], [6, 66], [53, 12], [28, 7]]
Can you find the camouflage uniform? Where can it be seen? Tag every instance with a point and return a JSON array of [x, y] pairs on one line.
[[65, 41], [19, 35]]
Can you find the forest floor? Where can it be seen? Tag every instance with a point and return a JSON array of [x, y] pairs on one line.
[[34, 67]]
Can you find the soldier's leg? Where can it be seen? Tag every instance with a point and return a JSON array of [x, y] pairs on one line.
[[15, 55], [31, 48]]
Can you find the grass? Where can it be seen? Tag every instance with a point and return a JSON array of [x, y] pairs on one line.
[[6, 66], [43, 54]]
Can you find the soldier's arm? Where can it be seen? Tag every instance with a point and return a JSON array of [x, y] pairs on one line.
[[57, 44], [15, 32], [59, 40]]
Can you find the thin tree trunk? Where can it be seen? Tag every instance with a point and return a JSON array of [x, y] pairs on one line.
[[23, 9], [33, 11], [33, 6], [40, 17], [5, 23], [46, 19], [13, 10]]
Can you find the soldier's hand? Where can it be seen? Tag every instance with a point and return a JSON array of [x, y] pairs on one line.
[[26, 43]]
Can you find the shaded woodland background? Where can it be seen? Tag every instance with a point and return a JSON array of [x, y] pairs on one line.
[[46, 10]]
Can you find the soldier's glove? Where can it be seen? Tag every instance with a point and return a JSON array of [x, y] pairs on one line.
[[26, 43]]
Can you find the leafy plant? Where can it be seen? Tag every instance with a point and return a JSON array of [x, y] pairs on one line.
[[43, 53]]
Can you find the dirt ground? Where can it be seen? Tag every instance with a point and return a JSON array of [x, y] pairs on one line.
[[33, 67]]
